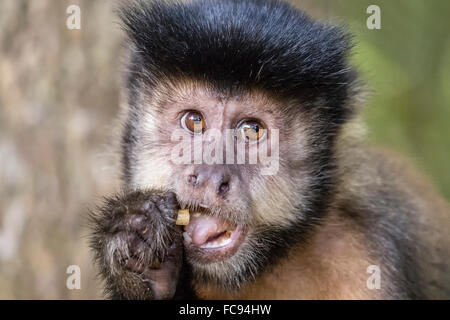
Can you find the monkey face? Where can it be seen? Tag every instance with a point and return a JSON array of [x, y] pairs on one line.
[[238, 207], [200, 68]]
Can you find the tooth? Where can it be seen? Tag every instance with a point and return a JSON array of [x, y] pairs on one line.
[[187, 238], [217, 243]]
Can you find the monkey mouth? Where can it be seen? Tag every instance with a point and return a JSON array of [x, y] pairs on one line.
[[212, 237]]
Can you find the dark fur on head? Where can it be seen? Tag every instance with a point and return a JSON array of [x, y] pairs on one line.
[[237, 45]]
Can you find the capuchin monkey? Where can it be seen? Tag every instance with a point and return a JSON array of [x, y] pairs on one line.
[[334, 218]]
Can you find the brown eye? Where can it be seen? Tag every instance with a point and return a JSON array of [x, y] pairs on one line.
[[192, 121], [251, 130]]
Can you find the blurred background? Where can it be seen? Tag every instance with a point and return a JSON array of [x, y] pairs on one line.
[[59, 100]]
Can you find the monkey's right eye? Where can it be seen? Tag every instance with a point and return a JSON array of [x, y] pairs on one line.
[[193, 122]]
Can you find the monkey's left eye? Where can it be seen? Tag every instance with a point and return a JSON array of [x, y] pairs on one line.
[[193, 122], [250, 130]]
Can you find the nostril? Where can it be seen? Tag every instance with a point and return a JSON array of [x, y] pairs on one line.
[[192, 179], [223, 188]]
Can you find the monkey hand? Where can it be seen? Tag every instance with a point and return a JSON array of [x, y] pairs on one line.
[[138, 246]]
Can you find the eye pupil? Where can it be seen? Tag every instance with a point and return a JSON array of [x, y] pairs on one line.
[[251, 130], [197, 120]]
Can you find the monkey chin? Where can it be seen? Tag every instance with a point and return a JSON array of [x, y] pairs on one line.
[[209, 239]]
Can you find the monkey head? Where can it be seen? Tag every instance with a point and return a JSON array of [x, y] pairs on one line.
[[210, 78]]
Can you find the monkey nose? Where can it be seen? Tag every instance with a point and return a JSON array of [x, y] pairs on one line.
[[223, 188], [210, 180], [192, 180]]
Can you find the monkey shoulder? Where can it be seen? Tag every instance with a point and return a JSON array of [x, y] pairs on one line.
[[403, 220]]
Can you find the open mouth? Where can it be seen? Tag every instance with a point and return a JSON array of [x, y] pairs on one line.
[[213, 236]]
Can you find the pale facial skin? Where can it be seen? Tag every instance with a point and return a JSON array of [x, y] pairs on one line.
[[230, 203]]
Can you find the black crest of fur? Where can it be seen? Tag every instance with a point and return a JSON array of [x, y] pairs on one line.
[[241, 44]]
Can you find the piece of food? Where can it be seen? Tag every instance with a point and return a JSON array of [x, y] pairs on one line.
[[183, 217]]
